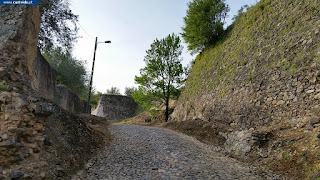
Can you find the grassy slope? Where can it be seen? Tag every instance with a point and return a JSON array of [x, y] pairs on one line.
[[266, 37]]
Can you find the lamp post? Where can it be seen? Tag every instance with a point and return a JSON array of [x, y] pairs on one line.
[[90, 85]]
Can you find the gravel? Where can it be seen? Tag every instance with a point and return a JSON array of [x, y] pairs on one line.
[[139, 152]]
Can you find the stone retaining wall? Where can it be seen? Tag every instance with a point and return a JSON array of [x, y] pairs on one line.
[[44, 78], [38, 140], [69, 101], [115, 107]]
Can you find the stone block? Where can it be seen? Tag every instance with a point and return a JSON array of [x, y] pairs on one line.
[[314, 120]]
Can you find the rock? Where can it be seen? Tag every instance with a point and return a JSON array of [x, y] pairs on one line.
[[274, 102], [3, 71], [2, 177], [317, 97], [38, 127], [318, 136], [60, 172], [27, 176], [15, 174], [44, 108], [313, 80], [281, 102], [20, 157], [240, 143], [225, 135], [315, 109], [4, 137], [35, 148], [309, 127], [310, 91], [47, 142], [307, 17], [11, 141], [310, 41], [300, 89], [43, 175], [294, 122], [314, 120]]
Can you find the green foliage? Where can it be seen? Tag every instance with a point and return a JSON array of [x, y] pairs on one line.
[[58, 25], [96, 96], [3, 87], [129, 90], [71, 72], [146, 99], [288, 156], [204, 23], [262, 5], [163, 74], [113, 90]]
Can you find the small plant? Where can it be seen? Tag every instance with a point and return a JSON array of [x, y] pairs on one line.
[[310, 172], [264, 4], [3, 87], [288, 155], [291, 24], [251, 74], [286, 66]]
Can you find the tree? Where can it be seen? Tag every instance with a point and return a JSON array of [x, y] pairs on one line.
[[163, 73], [204, 23], [129, 90], [58, 25], [113, 90], [71, 72]]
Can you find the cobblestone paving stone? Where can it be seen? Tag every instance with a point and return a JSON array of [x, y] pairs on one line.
[[144, 153]]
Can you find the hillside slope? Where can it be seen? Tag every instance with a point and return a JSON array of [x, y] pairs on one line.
[[263, 82]]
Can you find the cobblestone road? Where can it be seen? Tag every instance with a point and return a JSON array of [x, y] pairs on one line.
[[139, 152]]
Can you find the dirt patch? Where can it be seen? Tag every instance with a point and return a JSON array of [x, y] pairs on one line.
[[210, 133], [295, 153], [99, 124], [71, 140]]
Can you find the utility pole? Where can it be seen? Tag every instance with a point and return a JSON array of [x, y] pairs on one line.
[[88, 109]]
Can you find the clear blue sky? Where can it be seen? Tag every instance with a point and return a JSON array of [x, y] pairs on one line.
[[131, 26]]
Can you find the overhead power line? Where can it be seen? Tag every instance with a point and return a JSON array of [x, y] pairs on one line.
[[85, 31]]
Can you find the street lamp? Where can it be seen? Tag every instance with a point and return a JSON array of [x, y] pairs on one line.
[[94, 58]]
